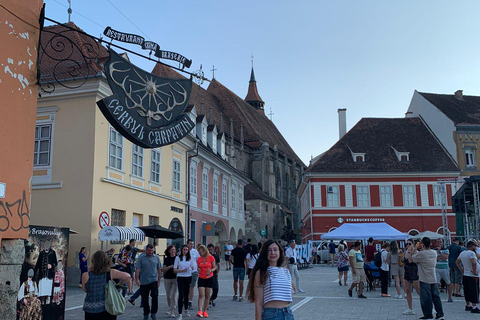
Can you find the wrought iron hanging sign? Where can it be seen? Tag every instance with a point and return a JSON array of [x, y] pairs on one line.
[[146, 109], [146, 45]]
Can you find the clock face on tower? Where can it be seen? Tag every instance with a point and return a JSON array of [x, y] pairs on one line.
[[340, 220]]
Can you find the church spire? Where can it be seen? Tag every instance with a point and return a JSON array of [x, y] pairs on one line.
[[253, 98]]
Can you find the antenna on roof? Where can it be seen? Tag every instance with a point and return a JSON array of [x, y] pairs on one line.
[[69, 9]]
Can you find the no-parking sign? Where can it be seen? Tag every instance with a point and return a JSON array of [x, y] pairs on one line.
[[104, 220]]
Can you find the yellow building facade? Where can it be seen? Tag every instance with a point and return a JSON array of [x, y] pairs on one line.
[[83, 167]]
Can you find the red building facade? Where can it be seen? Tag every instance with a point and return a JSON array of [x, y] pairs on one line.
[[382, 170]]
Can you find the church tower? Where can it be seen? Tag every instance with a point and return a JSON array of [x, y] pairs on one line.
[[253, 98]]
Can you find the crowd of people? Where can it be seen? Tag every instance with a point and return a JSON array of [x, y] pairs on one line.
[[426, 266], [423, 266]]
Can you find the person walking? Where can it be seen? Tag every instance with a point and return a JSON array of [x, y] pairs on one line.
[[228, 251], [467, 264], [148, 273], [454, 251], [270, 285], [395, 265], [384, 270], [217, 249], [194, 255], [331, 251], [238, 260], [292, 264], [135, 251], [183, 267], [410, 278], [125, 264], [426, 259], [342, 265], [170, 278], [93, 283], [441, 268], [252, 259], [358, 273], [83, 259], [206, 267], [215, 286]]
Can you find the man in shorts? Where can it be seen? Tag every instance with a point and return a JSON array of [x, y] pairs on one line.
[[358, 273], [331, 251], [454, 251], [467, 264], [441, 268], [228, 252], [238, 259], [194, 256]]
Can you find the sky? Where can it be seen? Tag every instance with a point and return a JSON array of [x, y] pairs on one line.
[[310, 57]]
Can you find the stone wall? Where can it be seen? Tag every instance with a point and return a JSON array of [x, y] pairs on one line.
[[12, 256]]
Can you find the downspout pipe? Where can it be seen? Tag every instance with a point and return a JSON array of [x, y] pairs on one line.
[[187, 212]]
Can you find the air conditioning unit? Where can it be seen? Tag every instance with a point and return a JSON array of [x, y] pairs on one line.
[[330, 189]]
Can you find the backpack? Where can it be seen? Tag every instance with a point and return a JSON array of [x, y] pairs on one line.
[[114, 301], [377, 259], [401, 256]]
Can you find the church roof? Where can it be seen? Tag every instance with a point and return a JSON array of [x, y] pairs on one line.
[[380, 139], [252, 94], [227, 106], [461, 111]]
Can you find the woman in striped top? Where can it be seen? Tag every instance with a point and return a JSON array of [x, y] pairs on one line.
[[270, 285]]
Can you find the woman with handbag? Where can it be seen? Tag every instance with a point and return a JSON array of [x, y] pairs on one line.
[[270, 284], [93, 283], [170, 278], [342, 265], [183, 268], [206, 266], [397, 270]]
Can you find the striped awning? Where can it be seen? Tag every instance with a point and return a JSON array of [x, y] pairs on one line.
[[115, 233]]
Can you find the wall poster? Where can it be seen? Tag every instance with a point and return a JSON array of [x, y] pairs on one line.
[[41, 295]]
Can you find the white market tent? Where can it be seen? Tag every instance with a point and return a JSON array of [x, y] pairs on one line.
[[114, 233], [429, 234], [363, 231]]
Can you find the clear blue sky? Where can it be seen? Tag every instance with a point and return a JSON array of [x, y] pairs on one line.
[[311, 57]]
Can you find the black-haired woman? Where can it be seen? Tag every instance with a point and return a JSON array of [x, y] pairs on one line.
[[183, 268], [93, 283], [252, 259], [270, 284]]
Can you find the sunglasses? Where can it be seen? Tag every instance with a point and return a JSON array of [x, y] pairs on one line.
[[409, 244]]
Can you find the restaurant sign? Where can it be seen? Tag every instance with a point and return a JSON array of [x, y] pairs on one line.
[[146, 109]]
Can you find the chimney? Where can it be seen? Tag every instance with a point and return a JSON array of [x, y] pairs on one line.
[[342, 122], [459, 95]]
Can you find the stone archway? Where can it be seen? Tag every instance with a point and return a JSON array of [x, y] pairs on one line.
[[233, 235], [221, 231], [240, 234]]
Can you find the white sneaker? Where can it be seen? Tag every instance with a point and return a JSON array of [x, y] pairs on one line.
[[398, 296], [408, 312], [187, 313], [172, 315], [179, 317], [301, 291]]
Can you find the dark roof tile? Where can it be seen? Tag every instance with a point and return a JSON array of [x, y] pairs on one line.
[[465, 111]]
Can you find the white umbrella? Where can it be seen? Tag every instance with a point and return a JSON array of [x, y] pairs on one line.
[[428, 234]]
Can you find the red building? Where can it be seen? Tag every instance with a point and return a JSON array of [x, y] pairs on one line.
[[382, 170]]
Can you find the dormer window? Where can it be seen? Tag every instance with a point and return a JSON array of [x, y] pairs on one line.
[[402, 156], [221, 145], [202, 129], [204, 134], [357, 156], [470, 157]]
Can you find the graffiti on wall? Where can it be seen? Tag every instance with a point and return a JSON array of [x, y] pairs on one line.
[[14, 216]]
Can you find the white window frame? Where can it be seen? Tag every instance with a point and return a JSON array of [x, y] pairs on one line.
[[155, 165], [233, 195], [363, 196], [437, 196], [205, 183], [215, 188], [177, 174], [470, 161], [386, 196], [137, 160], [409, 196], [240, 198], [118, 145], [333, 197], [193, 178], [38, 142], [224, 192]]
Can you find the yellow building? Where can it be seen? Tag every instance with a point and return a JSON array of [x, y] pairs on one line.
[[83, 167]]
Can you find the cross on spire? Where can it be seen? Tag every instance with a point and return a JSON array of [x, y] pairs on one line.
[[213, 70], [271, 114], [252, 60]]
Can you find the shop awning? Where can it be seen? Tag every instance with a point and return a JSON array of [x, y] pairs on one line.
[[363, 231], [115, 233]]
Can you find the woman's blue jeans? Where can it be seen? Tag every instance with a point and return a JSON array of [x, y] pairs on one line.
[[277, 314]]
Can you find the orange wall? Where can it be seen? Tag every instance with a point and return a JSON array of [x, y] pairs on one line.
[[18, 103]]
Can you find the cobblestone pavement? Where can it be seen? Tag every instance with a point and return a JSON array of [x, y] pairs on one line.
[[323, 299]]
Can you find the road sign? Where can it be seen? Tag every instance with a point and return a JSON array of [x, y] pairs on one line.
[[104, 220]]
